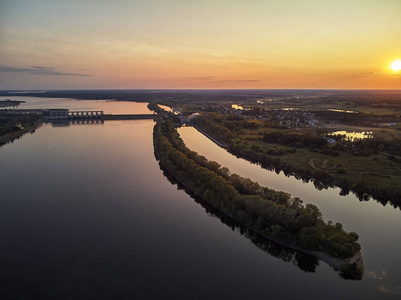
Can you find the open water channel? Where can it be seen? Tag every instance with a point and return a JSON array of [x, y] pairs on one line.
[[86, 212]]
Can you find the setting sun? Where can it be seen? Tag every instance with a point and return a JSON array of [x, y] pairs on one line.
[[396, 65]]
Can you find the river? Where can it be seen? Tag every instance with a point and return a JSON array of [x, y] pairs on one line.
[[86, 212], [108, 106]]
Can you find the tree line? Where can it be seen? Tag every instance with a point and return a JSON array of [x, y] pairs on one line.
[[9, 124], [268, 212], [269, 156]]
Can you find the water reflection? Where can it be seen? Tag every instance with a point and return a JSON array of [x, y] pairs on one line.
[[344, 190], [344, 111], [17, 136], [54, 123], [303, 261], [165, 107], [7, 141], [95, 218], [66, 123], [353, 135], [329, 109], [108, 106], [236, 106]]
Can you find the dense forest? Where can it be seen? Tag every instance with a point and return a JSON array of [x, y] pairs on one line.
[[271, 213]]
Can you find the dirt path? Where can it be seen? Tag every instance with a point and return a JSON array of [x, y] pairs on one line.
[[384, 153], [312, 164]]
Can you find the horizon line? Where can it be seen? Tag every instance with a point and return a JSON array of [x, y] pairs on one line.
[[187, 89]]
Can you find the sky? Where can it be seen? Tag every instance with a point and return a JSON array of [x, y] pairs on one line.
[[211, 44]]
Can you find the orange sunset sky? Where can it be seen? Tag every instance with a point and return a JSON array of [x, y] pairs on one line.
[[122, 44]]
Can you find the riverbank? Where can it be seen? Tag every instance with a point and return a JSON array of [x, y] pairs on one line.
[[336, 263], [10, 136], [380, 179], [206, 134], [270, 214]]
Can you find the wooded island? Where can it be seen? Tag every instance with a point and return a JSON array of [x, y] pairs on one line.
[[273, 214]]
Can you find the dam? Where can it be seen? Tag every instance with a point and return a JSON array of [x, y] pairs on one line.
[[66, 114]]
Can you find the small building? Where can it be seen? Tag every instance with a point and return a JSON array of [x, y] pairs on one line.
[[177, 111], [57, 114]]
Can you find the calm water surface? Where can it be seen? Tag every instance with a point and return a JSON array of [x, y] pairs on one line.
[[378, 226], [108, 106], [86, 212]]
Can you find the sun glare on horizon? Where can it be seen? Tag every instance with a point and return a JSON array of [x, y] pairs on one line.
[[396, 65]]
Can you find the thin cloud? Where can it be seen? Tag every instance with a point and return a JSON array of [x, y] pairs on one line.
[[199, 78], [236, 81], [38, 70]]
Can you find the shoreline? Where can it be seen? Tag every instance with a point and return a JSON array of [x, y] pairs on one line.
[[334, 262], [8, 137], [210, 137], [393, 198]]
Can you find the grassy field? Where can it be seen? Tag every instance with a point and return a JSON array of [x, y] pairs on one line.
[[310, 103], [375, 169], [364, 165]]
